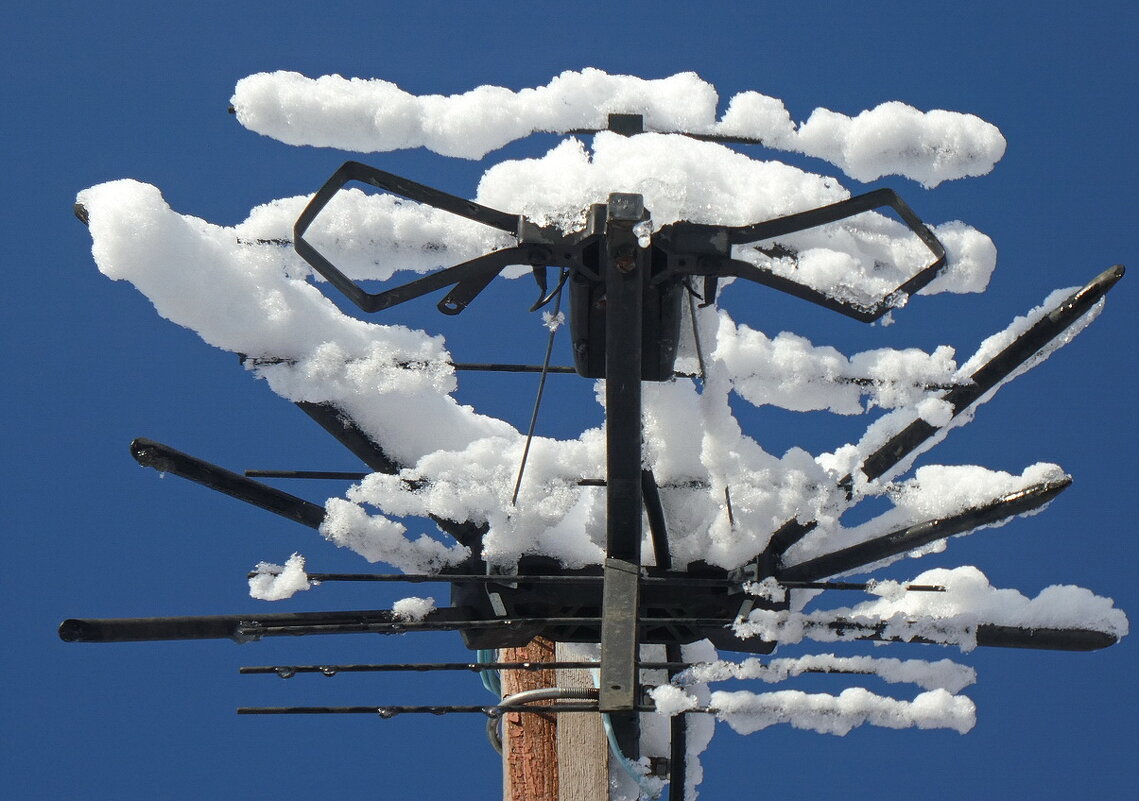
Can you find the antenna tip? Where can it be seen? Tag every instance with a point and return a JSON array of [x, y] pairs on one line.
[[72, 630], [1108, 278]]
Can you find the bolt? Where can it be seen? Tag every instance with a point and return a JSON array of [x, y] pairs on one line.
[[624, 259]]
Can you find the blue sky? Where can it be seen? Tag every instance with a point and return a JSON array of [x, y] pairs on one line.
[[93, 93]]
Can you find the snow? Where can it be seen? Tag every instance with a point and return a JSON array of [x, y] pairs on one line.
[[935, 146], [950, 617], [377, 116], [942, 674], [276, 582], [380, 539], [789, 372], [970, 600], [244, 290], [391, 381], [413, 608], [670, 700], [748, 712], [848, 459], [934, 492]]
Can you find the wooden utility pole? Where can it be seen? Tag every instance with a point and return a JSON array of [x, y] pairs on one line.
[[583, 751], [562, 757], [529, 740]]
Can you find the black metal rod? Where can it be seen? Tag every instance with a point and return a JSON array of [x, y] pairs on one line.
[[654, 511], [841, 210], [1019, 351], [961, 397], [624, 271], [525, 627], [620, 126], [391, 711], [348, 433], [288, 671], [165, 459], [856, 585], [674, 666], [625, 267], [318, 474], [693, 484], [678, 736], [471, 276], [672, 580], [703, 372], [345, 431], [538, 396], [513, 368], [447, 578], [992, 636], [910, 537], [784, 537], [478, 578], [381, 621], [225, 626], [253, 626], [563, 369], [685, 236]]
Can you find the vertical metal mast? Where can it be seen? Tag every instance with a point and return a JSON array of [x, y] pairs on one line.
[[625, 268]]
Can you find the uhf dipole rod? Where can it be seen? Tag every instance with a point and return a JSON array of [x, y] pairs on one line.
[[391, 711], [961, 397], [288, 671], [382, 621], [165, 459], [911, 537], [1020, 350], [670, 580]]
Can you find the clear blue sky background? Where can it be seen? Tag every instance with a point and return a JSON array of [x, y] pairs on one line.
[[97, 91]]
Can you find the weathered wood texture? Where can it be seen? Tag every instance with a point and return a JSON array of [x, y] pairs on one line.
[[529, 741], [583, 752]]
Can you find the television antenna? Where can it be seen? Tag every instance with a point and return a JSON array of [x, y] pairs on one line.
[[629, 288]]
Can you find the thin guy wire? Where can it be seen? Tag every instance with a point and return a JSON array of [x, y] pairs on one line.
[[696, 335], [541, 388]]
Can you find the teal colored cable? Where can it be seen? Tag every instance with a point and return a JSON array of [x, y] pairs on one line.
[[647, 789], [490, 678], [626, 764]]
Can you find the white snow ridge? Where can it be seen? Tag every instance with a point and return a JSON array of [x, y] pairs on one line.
[[373, 115]]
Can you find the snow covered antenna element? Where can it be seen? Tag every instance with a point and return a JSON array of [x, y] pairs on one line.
[[470, 277], [674, 253], [917, 436]]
